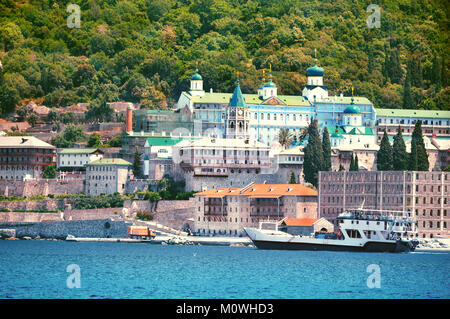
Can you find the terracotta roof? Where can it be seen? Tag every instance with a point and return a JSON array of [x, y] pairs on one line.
[[279, 190], [299, 221], [219, 192], [262, 190]]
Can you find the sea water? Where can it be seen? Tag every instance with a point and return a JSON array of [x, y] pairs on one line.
[[42, 269]]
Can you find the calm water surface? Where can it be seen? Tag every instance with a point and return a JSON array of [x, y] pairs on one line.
[[37, 269]]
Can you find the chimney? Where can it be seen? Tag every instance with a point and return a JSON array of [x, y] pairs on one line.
[[129, 127]]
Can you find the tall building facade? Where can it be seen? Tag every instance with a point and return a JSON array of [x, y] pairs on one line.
[[268, 111], [106, 176], [226, 211], [424, 196], [24, 157]]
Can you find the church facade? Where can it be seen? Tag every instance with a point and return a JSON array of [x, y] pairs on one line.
[[266, 112]]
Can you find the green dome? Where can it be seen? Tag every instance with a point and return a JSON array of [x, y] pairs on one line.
[[270, 84], [197, 77], [315, 71], [352, 109]]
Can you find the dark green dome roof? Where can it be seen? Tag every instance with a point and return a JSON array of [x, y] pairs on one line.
[[270, 84], [352, 109], [197, 77], [315, 71]]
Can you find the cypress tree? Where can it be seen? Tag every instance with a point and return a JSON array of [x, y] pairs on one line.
[[356, 164], [326, 146], [418, 159], [399, 154], [436, 73], [394, 68], [137, 165], [292, 179], [408, 102], [313, 161], [384, 155], [352, 164]]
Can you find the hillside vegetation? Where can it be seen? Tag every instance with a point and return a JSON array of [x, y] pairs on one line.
[[146, 50]]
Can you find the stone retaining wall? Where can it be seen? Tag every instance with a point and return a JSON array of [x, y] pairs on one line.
[[91, 214], [41, 187], [101, 228]]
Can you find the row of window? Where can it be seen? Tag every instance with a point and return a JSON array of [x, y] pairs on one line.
[[25, 150], [437, 225]]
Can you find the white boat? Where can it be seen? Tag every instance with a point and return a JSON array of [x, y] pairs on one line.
[[360, 230]]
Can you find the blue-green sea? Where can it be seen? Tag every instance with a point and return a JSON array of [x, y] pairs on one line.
[[38, 269]]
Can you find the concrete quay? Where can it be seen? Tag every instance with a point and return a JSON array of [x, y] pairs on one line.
[[174, 240]]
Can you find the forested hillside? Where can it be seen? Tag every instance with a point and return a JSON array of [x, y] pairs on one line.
[[146, 50]]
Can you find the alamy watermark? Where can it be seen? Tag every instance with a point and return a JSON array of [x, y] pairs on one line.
[[74, 20], [374, 20], [74, 279], [374, 279]]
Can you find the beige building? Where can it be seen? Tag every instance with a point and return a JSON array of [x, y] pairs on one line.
[[424, 195], [24, 157], [226, 211], [106, 176], [213, 162]]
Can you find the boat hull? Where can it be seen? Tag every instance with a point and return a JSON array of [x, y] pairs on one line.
[[368, 247]]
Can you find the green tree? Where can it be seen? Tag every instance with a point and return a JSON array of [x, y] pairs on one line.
[[408, 101], [356, 163], [50, 171], [326, 146], [292, 179], [352, 164], [418, 158], [10, 36], [32, 119], [399, 154], [74, 133], [94, 140], [313, 160], [384, 154], [137, 171]]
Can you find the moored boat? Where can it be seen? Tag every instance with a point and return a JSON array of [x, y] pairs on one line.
[[360, 230]]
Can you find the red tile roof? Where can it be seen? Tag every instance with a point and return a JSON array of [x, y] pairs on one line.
[[262, 190]]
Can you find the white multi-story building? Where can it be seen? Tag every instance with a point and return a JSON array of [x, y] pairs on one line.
[[77, 157]]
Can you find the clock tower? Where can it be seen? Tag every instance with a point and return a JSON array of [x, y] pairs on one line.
[[237, 116]]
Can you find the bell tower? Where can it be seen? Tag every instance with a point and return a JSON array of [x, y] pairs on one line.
[[237, 115]]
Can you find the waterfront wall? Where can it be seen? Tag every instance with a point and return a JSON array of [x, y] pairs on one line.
[[68, 215], [17, 217], [104, 228], [41, 187], [91, 214]]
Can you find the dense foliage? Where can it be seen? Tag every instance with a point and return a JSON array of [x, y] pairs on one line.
[[146, 50]]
